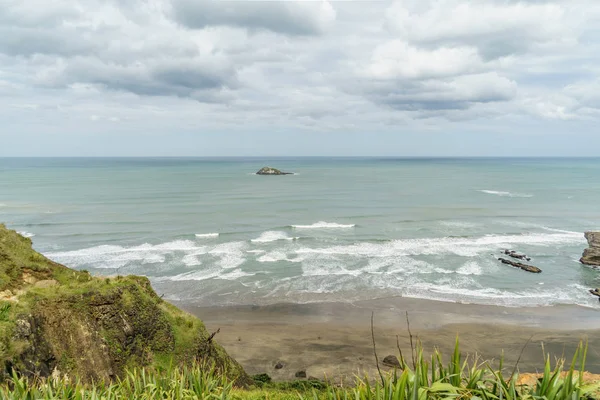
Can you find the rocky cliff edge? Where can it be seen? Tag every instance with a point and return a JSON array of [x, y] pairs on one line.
[[58, 321]]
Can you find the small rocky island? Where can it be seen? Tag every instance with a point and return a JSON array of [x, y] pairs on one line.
[[272, 171], [591, 255]]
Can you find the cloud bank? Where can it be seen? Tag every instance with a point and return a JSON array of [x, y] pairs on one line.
[[319, 66]]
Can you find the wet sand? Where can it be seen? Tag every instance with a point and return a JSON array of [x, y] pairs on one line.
[[334, 339]]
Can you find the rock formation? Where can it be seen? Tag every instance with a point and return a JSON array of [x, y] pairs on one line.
[[300, 374], [272, 171], [524, 267], [591, 255], [514, 254], [391, 361], [59, 321]]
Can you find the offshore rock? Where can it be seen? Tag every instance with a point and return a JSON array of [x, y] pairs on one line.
[[514, 254], [524, 267], [591, 255], [272, 171]]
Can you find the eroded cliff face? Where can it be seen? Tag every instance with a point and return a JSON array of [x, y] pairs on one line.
[[591, 255], [54, 320]]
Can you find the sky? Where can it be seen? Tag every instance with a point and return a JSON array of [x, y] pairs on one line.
[[292, 78]]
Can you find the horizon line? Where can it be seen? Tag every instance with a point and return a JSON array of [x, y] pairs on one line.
[[304, 156]]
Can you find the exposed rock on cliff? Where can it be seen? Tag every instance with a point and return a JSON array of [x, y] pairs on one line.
[[591, 255], [272, 171], [57, 320]]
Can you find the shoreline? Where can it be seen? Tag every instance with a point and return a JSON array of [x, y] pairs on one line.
[[333, 340]]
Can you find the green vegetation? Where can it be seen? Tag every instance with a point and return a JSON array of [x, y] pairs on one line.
[[425, 379], [62, 322]]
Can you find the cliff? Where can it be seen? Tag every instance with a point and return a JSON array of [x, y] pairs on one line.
[[58, 321], [591, 255]]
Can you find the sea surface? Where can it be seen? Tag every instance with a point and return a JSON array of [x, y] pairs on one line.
[[211, 232]]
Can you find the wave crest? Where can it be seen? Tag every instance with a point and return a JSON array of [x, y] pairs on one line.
[[324, 225], [206, 235], [505, 194]]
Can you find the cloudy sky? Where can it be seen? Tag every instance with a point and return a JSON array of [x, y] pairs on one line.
[[215, 78]]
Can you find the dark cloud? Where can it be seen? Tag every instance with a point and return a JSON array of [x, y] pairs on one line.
[[28, 41], [286, 17], [438, 95], [206, 83]]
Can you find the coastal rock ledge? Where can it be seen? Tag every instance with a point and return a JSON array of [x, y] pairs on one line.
[[591, 255], [272, 171]]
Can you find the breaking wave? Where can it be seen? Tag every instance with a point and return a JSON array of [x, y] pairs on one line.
[[505, 194], [26, 234], [206, 235], [272, 264], [324, 225]]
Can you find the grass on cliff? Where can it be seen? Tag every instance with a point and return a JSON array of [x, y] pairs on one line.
[[420, 378], [18, 261], [53, 318]]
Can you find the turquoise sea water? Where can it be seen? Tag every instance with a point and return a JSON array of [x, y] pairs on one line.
[[210, 232]]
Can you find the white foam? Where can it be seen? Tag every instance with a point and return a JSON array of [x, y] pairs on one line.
[[324, 225], [462, 292], [206, 235], [561, 231], [275, 256], [210, 273], [187, 252], [470, 268], [194, 275], [505, 194], [466, 247], [26, 234], [531, 225], [191, 260], [458, 224], [231, 254], [451, 288], [271, 236], [176, 245]]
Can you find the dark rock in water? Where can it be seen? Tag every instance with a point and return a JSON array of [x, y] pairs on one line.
[[524, 267], [391, 361], [272, 171], [301, 374], [595, 292], [279, 365], [591, 255], [514, 254]]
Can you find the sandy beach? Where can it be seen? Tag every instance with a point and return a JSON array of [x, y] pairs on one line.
[[333, 340]]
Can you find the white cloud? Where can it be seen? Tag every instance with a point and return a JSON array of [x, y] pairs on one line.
[[311, 64], [498, 28], [398, 59]]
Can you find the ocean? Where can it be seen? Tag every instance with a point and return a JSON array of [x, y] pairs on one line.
[[210, 232]]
